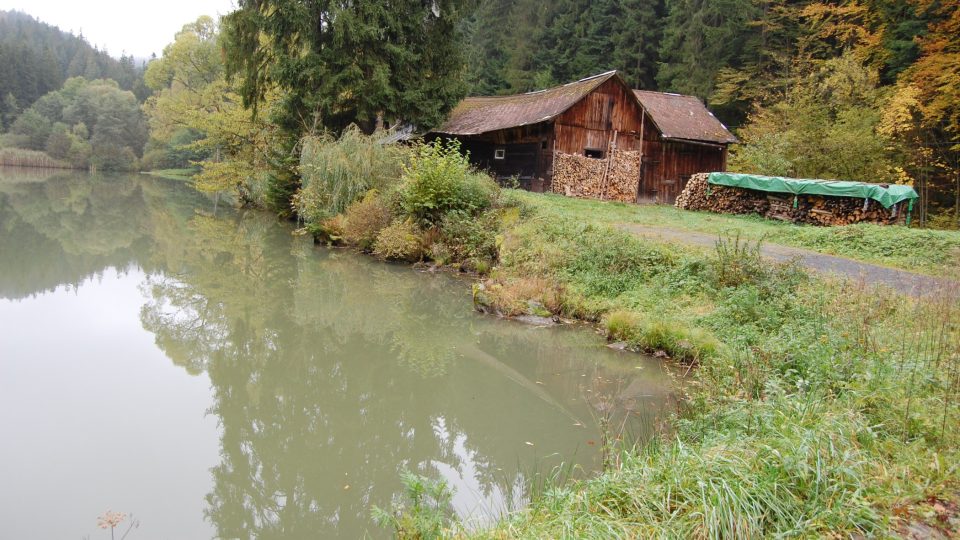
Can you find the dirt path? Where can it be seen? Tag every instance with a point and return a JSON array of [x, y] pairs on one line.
[[900, 280]]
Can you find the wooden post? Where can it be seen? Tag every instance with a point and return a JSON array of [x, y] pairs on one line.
[[643, 117], [611, 147]]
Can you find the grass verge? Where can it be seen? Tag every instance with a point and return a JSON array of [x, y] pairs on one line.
[[919, 250]]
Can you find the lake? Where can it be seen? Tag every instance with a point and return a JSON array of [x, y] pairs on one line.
[[214, 375]]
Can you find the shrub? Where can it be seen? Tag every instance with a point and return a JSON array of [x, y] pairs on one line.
[[439, 181], [329, 230], [364, 220], [336, 172], [467, 238], [399, 241]]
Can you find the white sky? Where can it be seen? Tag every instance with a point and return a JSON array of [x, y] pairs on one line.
[[130, 26]]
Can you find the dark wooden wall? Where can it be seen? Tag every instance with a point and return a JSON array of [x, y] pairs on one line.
[[667, 165], [528, 154]]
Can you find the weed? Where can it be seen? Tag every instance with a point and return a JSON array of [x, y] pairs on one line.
[[439, 181], [468, 238], [737, 262], [427, 513]]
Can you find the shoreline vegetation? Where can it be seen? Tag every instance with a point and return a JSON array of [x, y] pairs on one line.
[[20, 157], [812, 407]]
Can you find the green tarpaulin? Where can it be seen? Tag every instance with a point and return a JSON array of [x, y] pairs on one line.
[[885, 194]]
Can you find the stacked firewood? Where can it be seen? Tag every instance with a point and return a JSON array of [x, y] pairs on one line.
[[812, 209], [698, 195], [614, 178]]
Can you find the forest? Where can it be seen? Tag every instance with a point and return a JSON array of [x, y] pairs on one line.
[[866, 90]]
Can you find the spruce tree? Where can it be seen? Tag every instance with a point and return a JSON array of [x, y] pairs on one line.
[[635, 42], [701, 37]]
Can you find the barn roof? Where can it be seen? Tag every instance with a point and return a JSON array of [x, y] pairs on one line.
[[675, 116], [475, 115], [683, 117]]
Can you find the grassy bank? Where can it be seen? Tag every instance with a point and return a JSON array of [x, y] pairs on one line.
[[919, 250], [174, 174], [813, 408]]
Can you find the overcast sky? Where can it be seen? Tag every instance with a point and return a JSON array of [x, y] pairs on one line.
[[130, 26]]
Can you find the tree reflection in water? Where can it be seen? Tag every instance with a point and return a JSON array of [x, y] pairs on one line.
[[330, 373]]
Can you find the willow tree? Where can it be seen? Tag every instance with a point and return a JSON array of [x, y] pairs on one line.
[[342, 63]]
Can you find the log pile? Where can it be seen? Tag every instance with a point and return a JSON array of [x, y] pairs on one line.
[[698, 195], [812, 209], [613, 179]]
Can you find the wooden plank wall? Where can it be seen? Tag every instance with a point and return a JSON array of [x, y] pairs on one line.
[[528, 153], [669, 164], [591, 123]]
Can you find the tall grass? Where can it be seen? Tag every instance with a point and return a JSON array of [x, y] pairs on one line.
[[19, 157], [338, 171]]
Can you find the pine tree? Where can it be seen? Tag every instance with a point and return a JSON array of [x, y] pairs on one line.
[[635, 42], [700, 38]]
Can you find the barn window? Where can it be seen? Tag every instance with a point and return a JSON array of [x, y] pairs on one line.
[[500, 153], [543, 145], [593, 153]]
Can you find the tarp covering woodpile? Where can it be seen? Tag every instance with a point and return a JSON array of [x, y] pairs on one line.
[[613, 179], [818, 202]]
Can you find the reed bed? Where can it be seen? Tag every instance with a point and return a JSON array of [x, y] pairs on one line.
[[19, 157]]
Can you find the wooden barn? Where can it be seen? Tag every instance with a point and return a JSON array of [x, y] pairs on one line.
[[593, 132]]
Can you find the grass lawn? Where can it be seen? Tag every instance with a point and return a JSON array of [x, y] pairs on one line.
[[918, 250]]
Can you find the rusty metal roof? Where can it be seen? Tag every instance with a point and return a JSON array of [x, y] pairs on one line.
[[683, 117], [475, 115]]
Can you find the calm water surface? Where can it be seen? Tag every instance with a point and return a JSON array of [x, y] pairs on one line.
[[215, 376]]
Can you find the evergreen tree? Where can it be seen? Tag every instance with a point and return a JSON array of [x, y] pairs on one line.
[[339, 63], [635, 42], [486, 51], [700, 38]]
